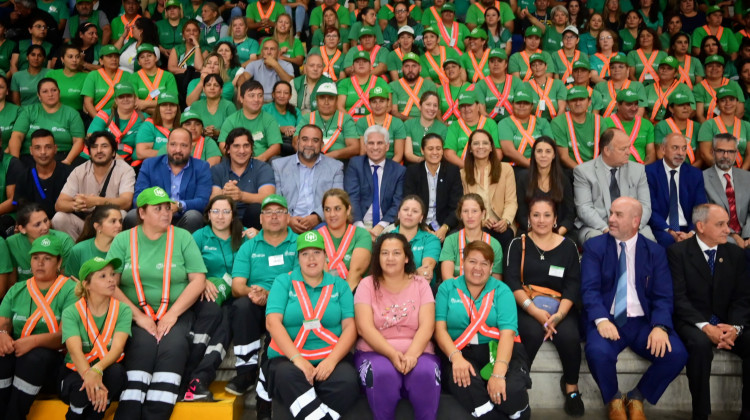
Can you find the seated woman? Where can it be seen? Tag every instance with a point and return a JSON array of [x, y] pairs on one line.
[[395, 316], [94, 331], [312, 375], [471, 212], [425, 246], [213, 109], [158, 349], [290, 47], [29, 349], [284, 112], [154, 132], [203, 148], [247, 48], [417, 129], [213, 64], [235, 70], [545, 178], [543, 271], [99, 230], [480, 386], [87, 39], [123, 120], [150, 80]]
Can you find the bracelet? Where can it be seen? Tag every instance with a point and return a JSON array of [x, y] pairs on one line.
[[526, 303], [96, 370], [503, 362], [291, 359], [450, 357], [496, 376]]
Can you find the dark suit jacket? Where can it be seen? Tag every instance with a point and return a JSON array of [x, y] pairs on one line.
[[698, 294], [653, 280], [449, 190], [692, 193], [358, 183], [195, 189]]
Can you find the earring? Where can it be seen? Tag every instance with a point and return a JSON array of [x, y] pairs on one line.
[[555, 225], [528, 225]]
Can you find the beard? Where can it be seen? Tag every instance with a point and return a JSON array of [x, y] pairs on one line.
[[177, 159]]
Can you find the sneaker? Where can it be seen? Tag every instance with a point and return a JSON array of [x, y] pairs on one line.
[[573, 401], [240, 384], [197, 391]]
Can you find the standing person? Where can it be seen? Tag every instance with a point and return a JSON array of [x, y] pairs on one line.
[[394, 354], [29, 347], [98, 89], [577, 130], [154, 133], [99, 230], [94, 330], [543, 271], [169, 278], [428, 123], [425, 245], [517, 133], [495, 92]]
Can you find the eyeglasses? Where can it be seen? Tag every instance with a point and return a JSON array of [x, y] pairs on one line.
[[401, 11], [220, 211], [274, 212], [568, 37], [40, 27], [725, 152], [602, 38]]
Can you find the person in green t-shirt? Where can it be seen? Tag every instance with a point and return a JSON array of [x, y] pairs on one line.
[[24, 83], [150, 81], [92, 379], [726, 122], [477, 10], [340, 136], [581, 144], [425, 244], [9, 112], [262, 15], [98, 88], [452, 33], [213, 109], [122, 120], [381, 116], [418, 128], [367, 20], [354, 91], [247, 48], [154, 132], [638, 129], [290, 48], [548, 93], [170, 26], [714, 19], [705, 91], [282, 110], [517, 133], [554, 29], [30, 316], [457, 139], [519, 63], [495, 92], [98, 233], [408, 90], [69, 78], [476, 58], [203, 148], [376, 53], [450, 89], [317, 14], [681, 109]]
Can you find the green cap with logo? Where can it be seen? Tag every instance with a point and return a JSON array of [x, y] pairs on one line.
[[467, 98], [124, 88], [712, 9], [108, 50], [310, 239], [410, 56], [680, 96], [533, 31], [581, 64], [95, 264], [725, 91], [498, 53], [172, 3], [578, 92], [378, 92], [190, 115], [431, 29], [49, 244], [366, 30], [713, 59], [448, 7], [361, 55], [523, 94], [619, 58], [145, 48], [477, 33], [627, 95], [451, 61], [167, 98], [153, 196], [536, 57], [274, 199], [670, 61]]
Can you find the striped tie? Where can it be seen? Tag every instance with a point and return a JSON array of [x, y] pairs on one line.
[[734, 222], [621, 295]]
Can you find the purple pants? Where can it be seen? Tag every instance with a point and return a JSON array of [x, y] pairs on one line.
[[385, 386]]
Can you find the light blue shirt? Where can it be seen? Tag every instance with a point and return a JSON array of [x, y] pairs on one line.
[[306, 193], [176, 182]]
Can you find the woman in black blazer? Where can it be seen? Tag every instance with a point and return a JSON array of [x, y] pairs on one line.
[[441, 215]]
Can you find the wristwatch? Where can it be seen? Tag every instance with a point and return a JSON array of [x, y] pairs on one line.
[[738, 329]]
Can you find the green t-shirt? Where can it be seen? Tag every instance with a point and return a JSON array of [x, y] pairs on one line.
[[170, 36], [401, 97], [709, 129], [415, 132], [186, 259], [296, 49], [488, 98], [453, 252], [362, 239], [20, 246], [518, 64], [6, 265], [65, 124], [653, 98], [634, 60], [597, 64], [166, 84], [696, 69], [79, 254], [603, 89], [558, 92], [471, 71], [210, 149], [704, 97], [25, 84], [260, 263], [70, 88], [23, 49], [424, 245], [508, 130], [318, 40], [285, 120], [95, 87], [8, 116], [380, 57], [456, 39], [662, 129], [58, 9], [585, 135], [190, 12], [329, 127], [396, 131], [283, 300], [338, 65], [346, 88], [457, 138], [227, 91], [253, 12], [245, 48], [386, 12], [728, 40], [428, 71], [475, 14], [561, 67], [6, 51], [217, 253], [450, 308], [18, 306], [627, 41], [264, 129], [316, 16], [644, 138], [551, 40], [390, 35], [455, 92], [131, 136], [73, 326], [223, 111], [357, 27]]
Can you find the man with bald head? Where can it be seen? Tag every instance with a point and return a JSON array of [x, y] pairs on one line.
[[598, 182], [676, 187], [626, 288], [711, 303]]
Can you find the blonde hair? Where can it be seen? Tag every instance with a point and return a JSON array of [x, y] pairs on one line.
[[81, 291], [222, 68]]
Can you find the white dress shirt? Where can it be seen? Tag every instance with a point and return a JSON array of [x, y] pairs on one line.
[[634, 305], [367, 218], [683, 221], [705, 248], [723, 180]]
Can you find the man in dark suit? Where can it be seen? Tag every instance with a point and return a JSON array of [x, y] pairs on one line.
[[185, 178], [372, 175], [711, 303], [627, 297], [676, 187], [438, 183]]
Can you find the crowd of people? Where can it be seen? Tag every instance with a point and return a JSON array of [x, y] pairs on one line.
[[388, 200]]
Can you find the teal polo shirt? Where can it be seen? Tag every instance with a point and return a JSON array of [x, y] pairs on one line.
[[260, 263]]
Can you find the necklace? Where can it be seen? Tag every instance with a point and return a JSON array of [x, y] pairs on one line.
[[541, 253]]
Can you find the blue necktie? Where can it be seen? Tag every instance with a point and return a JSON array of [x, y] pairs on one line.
[[375, 196], [711, 259], [621, 296], [674, 213]]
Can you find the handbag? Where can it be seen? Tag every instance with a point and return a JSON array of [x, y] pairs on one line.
[[543, 297]]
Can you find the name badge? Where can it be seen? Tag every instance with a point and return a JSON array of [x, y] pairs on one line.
[[648, 76], [502, 111], [211, 39], [569, 80], [326, 74], [326, 140], [312, 324], [275, 260], [475, 339], [257, 136], [154, 93], [453, 43], [227, 279], [717, 112], [542, 105], [52, 9], [556, 271]]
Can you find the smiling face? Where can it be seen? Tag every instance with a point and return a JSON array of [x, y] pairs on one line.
[[111, 225], [38, 225], [430, 107], [336, 212], [220, 215], [472, 214], [675, 149], [544, 155], [477, 268], [101, 152], [240, 151], [392, 257], [252, 100], [43, 150], [542, 218], [312, 262], [433, 151], [376, 147], [309, 144], [410, 214]]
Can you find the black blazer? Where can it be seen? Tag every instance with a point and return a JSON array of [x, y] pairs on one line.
[[698, 295], [449, 190]]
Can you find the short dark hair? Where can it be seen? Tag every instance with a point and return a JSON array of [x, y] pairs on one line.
[[312, 126], [376, 270], [606, 137], [250, 85], [23, 215], [234, 134], [215, 77], [33, 47], [46, 80], [96, 135], [42, 132], [431, 136]]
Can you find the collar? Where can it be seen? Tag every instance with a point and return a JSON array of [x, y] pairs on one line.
[[428, 170], [381, 163], [669, 168], [702, 245], [629, 244], [721, 172], [296, 158]]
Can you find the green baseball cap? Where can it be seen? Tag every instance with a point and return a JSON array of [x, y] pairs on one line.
[[152, 197], [378, 92], [124, 88], [619, 58], [578, 92], [448, 7], [108, 50], [523, 94], [366, 30], [536, 57], [725, 91], [712, 9], [223, 289], [84, 1], [533, 31], [680, 96], [467, 98], [410, 56], [310, 239], [49, 244], [581, 64], [274, 199], [477, 33], [167, 98], [714, 59], [190, 115], [498, 53], [149, 48], [451, 61], [172, 3], [430, 29], [361, 55], [627, 95], [670, 61], [95, 264]]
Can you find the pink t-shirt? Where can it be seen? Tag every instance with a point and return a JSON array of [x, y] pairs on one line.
[[396, 316]]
